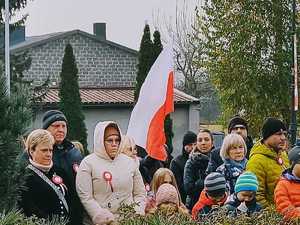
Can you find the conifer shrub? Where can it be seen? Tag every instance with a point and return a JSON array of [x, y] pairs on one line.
[[220, 217]]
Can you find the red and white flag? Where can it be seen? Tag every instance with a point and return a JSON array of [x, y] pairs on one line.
[[155, 102]]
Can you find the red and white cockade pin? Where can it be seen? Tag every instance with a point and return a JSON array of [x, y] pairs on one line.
[[75, 167], [147, 188], [280, 161], [57, 180], [108, 178]]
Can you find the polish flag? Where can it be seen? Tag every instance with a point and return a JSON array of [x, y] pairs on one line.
[[155, 102]]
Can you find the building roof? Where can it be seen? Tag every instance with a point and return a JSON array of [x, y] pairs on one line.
[[34, 41], [113, 96]]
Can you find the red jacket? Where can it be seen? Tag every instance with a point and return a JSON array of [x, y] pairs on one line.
[[287, 196], [205, 201]]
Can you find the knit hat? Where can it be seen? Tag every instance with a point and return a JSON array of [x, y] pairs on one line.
[[294, 155], [189, 138], [271, 126], [246, 182], [52, 116], [237, 120], [215, 184], [167, 193]]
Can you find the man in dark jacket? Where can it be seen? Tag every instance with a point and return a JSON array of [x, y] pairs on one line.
[[65, 156], [177, 164], [236, 125]]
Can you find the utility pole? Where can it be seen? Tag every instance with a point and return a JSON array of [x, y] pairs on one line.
[[7, 59], [293, 125]]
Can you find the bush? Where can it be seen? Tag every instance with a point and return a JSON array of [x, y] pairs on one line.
[[266, 217], [17, 218], [128, 217]]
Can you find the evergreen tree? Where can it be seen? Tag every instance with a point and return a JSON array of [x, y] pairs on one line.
[[168, 126], [145, 60], [157, 45], [14, 5], [249, 54], [70, 101], [15, 118]]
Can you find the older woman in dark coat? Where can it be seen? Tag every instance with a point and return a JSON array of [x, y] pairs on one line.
[[46, 191]]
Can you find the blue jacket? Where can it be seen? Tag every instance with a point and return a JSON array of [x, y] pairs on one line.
[[231, 171], [234, 207]]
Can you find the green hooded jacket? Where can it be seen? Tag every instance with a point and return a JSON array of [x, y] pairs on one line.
[[267, 168]]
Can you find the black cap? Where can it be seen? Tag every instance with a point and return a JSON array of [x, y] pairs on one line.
[[189, 138], [52, 116], [237, 120], [272, 126]]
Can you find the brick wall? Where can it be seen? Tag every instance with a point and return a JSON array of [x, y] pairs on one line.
[[99, 64]]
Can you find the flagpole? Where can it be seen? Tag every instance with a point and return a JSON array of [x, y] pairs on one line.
[[294, 83], [7, 59]]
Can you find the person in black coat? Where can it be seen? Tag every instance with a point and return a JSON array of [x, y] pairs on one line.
[[148, 167], [46, 189], [236, 125], [177, 164], [65, 156], [195, 167]]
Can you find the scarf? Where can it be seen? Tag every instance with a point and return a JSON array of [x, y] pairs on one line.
[[288, 174], [41, 167], [240, 165]]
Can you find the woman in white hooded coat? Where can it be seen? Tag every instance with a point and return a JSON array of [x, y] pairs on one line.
[[107, 178]]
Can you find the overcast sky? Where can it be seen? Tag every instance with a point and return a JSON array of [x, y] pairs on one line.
[[125, 19]]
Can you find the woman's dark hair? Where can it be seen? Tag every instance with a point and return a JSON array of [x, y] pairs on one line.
[[207, 131]]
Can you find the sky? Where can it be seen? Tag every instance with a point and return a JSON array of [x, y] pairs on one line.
[[125, 19]]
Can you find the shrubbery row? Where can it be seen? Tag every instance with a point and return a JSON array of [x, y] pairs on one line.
[[266, 217]]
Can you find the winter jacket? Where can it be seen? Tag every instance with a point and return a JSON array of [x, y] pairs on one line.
[[215, 159], [67, 158], [234, 206], [177, 167], [265, 165], [100, 197], [205, 205], [231, 171], [287, 195], [193, 177], [38, 197]]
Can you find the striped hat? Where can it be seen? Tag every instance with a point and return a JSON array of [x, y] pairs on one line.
[[246, 182], [215, 184]]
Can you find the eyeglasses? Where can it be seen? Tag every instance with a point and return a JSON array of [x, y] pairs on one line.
[[112, 141]]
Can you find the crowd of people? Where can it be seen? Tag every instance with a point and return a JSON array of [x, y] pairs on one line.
[[239, 177]]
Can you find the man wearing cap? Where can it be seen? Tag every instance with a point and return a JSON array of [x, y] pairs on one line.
[[268, 159], [236, 125], [65, 155], [177, 164]]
